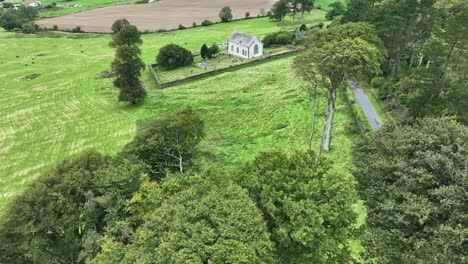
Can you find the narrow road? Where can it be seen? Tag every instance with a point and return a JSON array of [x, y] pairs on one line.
[[363, 101]]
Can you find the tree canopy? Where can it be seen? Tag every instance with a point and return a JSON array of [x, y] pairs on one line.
[[225, 14], [173, 56], [308, 209], [413, 178]]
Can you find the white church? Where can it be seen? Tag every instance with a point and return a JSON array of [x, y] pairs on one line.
[[244, 46]]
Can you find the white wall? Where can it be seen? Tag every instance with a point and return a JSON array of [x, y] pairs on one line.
[[246, 53]]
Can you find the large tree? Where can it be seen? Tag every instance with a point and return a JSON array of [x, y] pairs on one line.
[[168, 144], [60, 216], [280, 9], [414, 179], [191, 219], [127, 64], [349, 50], [225, 14], [307, 207]]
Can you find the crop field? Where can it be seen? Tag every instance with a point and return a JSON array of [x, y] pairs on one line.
[[164, 14], [59, 106]]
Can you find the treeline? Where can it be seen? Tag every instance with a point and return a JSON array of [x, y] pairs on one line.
[[12, 19], [425, 73], [151, 203]]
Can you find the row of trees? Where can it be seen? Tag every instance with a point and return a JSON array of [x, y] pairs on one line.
[[281, 8], [151, 204], [425, 72]]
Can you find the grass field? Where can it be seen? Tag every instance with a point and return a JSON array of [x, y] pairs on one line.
[[68, 108]]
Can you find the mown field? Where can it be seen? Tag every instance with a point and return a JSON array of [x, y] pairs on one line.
[[68, 108]]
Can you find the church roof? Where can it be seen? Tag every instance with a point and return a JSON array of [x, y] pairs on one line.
[[242, 39]]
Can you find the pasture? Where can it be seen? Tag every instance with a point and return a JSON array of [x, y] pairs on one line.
[[59, 106]]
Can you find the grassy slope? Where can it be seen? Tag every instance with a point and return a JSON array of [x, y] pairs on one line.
[[68, 108], [325, 3]]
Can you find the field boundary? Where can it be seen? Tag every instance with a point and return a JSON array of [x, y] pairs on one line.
[[219, 71]]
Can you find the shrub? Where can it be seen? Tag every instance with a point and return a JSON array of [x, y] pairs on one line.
[[377, 82], [280, 37], [283, 39], [55, 27], [303, 27], [77, 29], [214, 49], [173, 56], [320, 25], [181, 27], [29, 28], [194, 24], [247, 14], [206, 23]]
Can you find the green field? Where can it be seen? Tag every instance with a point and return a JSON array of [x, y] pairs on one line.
[[68, 108]]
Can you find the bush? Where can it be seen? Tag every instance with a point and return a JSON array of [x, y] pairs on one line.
[[214, 49], [377, 82], [247, 14], [181, 27], [194, 24], [303, 27], [280, 37], [29, 28], [55, 27], [173, 56], [206, 23], [283, 39], [77, 29]]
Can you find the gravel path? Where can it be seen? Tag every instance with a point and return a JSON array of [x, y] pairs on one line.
[[363, 101]]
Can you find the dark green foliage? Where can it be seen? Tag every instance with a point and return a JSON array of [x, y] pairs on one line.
[[283, 39], [206, 23], [173, 56], [303, 27], [377, 82], [308, 209], [336, 9], [58, 216], [192, 219], [212, 50], [119, 24], [204, 51], [168, 144], [27, 13], [272, 38], [128, 67], [10, 20], [279, 10], [225, 14], [29, 28], [127, 64], [127, 35], [247, 14], [414, 178]]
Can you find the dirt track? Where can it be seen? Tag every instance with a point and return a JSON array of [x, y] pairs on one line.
[[165, 14]]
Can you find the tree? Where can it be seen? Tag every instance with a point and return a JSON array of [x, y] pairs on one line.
[[173, 56], [10, 21], [279, 10], [128, 67], [192, 219], [212, 50], [413, 178], [308, 209], [119, 24], [204, 51], [305, 6], [168, 144], [336, 9], [27, 12], [350, 50], [127, 64], [225, 14], [60, 216], [247, 14]]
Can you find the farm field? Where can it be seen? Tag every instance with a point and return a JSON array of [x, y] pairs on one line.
[[68, 108], [164, 14]]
